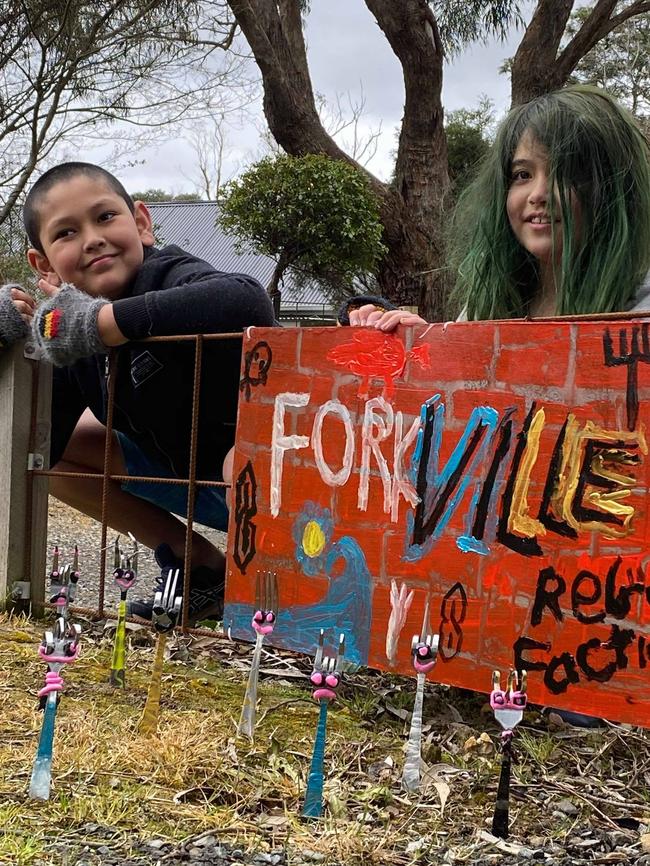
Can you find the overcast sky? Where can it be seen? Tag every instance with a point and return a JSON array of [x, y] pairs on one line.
[[347, 54]]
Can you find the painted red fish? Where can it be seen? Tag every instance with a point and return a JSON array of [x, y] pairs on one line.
[[376, 355]]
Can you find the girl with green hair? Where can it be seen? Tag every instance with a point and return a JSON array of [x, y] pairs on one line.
[[557, 221]]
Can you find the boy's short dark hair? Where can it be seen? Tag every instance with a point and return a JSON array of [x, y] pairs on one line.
[[58, 174]]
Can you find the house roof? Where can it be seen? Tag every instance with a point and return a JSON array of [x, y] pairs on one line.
[[193, 225]]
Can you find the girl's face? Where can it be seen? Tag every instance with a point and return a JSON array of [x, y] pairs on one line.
[[529, 199]]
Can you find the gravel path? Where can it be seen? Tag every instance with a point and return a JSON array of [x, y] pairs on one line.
[[207, 850]]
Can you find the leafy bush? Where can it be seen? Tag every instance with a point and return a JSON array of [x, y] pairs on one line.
[[314, 214]]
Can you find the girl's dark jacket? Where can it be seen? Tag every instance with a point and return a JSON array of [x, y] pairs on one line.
[[172, 293]]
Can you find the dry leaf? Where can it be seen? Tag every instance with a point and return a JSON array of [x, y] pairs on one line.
[[444, 791], [501, 844], [397, 711], [273, 821], [483, 745]]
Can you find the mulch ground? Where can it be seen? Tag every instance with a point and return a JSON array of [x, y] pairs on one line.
[[195, 793]]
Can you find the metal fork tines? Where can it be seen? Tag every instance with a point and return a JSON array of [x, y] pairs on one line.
[[60, 645], [63, 581], [509, 705], [266, 601], [263, 623], [166, 604], [125, 566]]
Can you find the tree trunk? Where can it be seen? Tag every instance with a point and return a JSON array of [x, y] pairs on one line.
[[412, 209], [413, 274], [282, 264], [534, 67]]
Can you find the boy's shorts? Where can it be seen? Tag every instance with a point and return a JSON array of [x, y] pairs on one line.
[[209, 503]]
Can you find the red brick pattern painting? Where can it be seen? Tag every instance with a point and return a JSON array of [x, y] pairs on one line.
[[496, 471]]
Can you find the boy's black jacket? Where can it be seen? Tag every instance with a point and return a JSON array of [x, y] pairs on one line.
[[172, 293]]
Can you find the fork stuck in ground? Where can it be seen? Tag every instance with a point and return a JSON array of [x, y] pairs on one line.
[[125, 569], [326, 676], [263, 622], [166, 610]]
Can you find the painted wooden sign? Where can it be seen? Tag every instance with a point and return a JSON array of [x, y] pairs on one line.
[[499, 471]]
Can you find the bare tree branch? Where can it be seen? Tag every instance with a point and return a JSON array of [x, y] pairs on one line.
[[278, 46], [66, 66], [412, 32], [539, 66], [596, 26]]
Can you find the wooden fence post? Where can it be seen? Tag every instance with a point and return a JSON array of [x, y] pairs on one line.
[[25, 393]]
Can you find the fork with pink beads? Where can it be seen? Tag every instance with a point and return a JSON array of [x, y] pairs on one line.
[[326, 677], [263, 623], [508, 706], [59, 647]]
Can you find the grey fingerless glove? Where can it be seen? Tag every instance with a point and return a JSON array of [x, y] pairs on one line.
[[65, 326], [12, 324]]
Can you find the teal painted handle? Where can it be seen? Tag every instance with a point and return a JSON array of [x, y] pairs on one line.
[[39, 786], [313, 807]]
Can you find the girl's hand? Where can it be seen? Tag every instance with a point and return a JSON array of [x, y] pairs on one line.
[[24, 304], [384, 320]]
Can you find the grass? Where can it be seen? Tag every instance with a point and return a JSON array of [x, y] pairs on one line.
[[195, 776]]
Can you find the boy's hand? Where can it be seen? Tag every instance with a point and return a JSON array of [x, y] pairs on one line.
[[50, 286], [24, 303], [107, 330], [16, 311], [65, 326]]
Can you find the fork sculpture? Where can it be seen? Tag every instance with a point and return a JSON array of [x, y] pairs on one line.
[[508, 709], [326, 676], [63, 582], [166, 610], [263, 622], [59, 647], [125, 570], [424, 648]]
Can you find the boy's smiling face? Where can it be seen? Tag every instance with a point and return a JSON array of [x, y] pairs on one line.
[[90, 237]]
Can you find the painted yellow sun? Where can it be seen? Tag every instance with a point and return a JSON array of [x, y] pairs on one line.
[[313, 539]]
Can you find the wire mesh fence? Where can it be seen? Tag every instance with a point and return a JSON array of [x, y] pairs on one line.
[[36, 472]]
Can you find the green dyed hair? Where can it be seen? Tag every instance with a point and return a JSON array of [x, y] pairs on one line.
[[597, 154]]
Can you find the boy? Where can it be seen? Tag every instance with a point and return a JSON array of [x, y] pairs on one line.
[[107, 285]]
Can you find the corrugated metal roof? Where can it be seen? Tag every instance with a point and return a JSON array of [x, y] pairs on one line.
[[193, 225]]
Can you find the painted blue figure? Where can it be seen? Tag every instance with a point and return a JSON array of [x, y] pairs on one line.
[[347, 605]]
